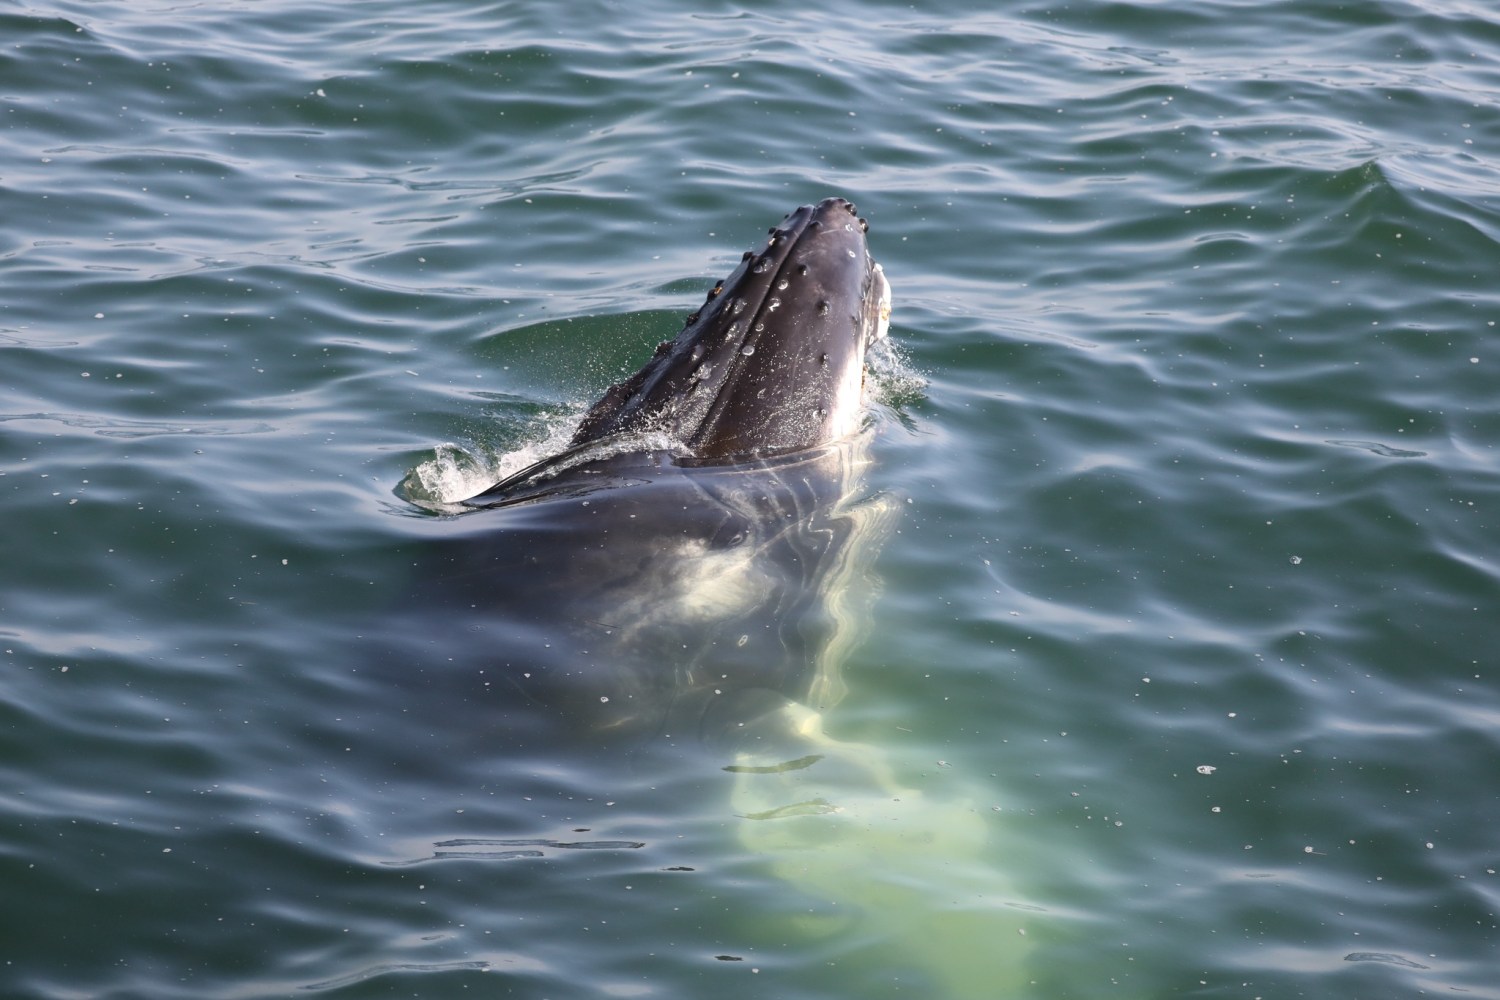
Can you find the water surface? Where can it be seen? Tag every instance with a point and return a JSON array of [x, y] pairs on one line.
[[1188, 618]]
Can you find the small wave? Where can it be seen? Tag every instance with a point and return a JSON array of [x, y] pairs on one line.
[[122, 428], [399, 967], [13, 338], [572, 845], [1376, 448], [801, 763], [1385, 958], [481, 849], [465, 856]]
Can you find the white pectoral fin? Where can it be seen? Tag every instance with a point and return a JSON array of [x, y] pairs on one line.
[[912, 870]]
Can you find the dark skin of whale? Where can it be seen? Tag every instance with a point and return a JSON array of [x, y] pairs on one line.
[[766, 367], [757, 371], [669, 573]]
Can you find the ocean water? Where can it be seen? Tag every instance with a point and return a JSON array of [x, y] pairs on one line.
[[1182, 660]]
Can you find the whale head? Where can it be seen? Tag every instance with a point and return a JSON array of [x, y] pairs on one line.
[[773, 362]]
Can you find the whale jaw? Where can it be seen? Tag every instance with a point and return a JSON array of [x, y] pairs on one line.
[[773, 363]]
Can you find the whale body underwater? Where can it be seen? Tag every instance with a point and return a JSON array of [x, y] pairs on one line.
[[661, 612], [684, 566]]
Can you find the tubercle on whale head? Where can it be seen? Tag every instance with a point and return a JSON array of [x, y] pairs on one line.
[[773, 361]]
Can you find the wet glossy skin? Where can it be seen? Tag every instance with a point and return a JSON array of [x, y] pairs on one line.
[[773, 363], [681, 567]]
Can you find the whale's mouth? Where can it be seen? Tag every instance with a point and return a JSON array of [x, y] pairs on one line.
[[773, 363]]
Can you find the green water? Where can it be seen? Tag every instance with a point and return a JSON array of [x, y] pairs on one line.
[[1185, 636]]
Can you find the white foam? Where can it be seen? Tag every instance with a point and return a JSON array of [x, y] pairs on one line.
[[890, 378], [447, 476], [459, 470]]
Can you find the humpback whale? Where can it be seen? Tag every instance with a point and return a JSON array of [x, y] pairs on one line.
[[681, 583], [774, 361], [682, 566]]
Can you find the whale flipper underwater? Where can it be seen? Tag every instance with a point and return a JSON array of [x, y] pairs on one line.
[[694, 566]]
